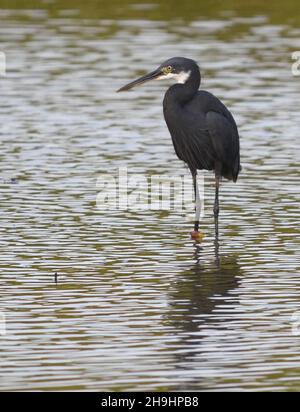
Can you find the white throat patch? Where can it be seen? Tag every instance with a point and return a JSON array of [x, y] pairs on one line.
[[181, 77]]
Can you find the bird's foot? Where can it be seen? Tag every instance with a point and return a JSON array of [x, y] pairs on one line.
[[196, 235]]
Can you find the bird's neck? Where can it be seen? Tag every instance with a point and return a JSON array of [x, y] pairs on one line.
[[183, 93]]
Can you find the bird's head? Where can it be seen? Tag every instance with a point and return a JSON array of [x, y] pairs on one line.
[[177, 68]]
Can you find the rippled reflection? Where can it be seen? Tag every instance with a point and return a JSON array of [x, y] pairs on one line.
[[192, 295], [197, 292]]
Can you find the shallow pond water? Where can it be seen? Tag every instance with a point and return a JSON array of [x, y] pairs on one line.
[[137, 305]]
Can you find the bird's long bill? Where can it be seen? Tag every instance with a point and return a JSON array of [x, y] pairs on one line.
[[141, 80]]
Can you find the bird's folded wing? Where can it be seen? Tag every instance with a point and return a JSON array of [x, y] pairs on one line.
[[225, 140]]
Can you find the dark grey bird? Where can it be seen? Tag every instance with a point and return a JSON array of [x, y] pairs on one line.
[[203, 130]]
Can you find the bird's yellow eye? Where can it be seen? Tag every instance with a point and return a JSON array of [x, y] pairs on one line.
[[167, 69]]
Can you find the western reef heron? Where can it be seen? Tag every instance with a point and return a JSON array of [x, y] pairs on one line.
[[203, 130]]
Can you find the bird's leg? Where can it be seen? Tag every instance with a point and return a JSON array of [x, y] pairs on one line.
[[197, 203], [216, 207], [196, 235]]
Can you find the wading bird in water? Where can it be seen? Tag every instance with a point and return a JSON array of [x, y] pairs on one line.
[[203, 130]]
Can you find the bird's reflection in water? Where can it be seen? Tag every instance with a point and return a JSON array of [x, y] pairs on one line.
[[191, 297], [200, 300]]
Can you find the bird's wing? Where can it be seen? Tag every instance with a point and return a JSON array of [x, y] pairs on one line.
[[225, 139]]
